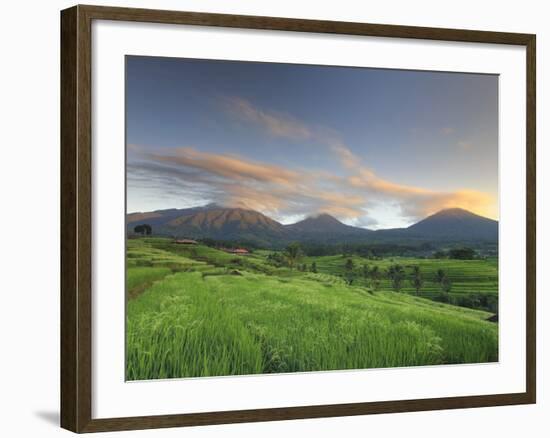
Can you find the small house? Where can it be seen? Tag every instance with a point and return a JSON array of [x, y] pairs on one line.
[[238, 251], [186, 242]]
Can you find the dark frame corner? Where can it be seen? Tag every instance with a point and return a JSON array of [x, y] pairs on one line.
[[76, 172]]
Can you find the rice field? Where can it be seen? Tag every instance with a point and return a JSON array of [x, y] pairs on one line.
[[195, 311], [467, 276]]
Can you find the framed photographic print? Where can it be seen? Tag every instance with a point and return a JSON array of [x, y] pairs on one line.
[[269, 218]]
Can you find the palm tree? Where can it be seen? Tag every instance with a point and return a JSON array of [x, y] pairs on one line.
[[440, 275], [396, 274], [293, 253], [375, 277], [417, 282]]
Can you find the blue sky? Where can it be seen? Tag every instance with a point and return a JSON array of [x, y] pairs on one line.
[[373, 147]]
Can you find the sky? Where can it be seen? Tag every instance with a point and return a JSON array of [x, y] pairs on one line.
[[375, 148]]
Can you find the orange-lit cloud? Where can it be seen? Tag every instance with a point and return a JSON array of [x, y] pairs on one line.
[[415, 201], [274, 190], [229, 166]]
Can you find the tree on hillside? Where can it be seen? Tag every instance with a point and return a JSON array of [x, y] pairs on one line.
[[143, 229], [314, 267], [349, 274], [375, 278], [443, 281], [396, 275], [366, 272], [446, 285], [439, 276], [293, 254], [417, 282], [276, 259], [349, 277]]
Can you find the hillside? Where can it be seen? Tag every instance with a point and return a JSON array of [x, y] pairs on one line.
[[224, 223], [456, 224]]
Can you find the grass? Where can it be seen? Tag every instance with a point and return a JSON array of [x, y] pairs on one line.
[[203, 312], [139, 278]]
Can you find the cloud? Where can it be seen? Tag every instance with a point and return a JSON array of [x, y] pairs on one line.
[[239, 182], [415, 202], [447, 130], [279, 124], [276, 123], [347, 158], [466, 145], [228, 166]]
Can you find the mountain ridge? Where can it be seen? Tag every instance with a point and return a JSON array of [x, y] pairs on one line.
[[237, 223]]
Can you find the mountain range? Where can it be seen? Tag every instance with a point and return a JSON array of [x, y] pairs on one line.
[[224, 223]]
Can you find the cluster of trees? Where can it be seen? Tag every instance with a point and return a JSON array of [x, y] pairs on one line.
[[372, 276], [143, 229], [290, 257], [456, 254], [396, 275]]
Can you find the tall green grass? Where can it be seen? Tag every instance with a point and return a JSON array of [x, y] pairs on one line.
[[138, 278], [188, 325], [197, 311], [176, 330]]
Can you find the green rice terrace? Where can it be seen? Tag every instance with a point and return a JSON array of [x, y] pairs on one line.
[[194, 310]]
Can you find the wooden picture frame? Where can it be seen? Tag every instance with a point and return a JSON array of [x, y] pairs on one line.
[[76, 218]]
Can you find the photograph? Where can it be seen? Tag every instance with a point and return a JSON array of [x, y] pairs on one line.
[[292, 218]]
